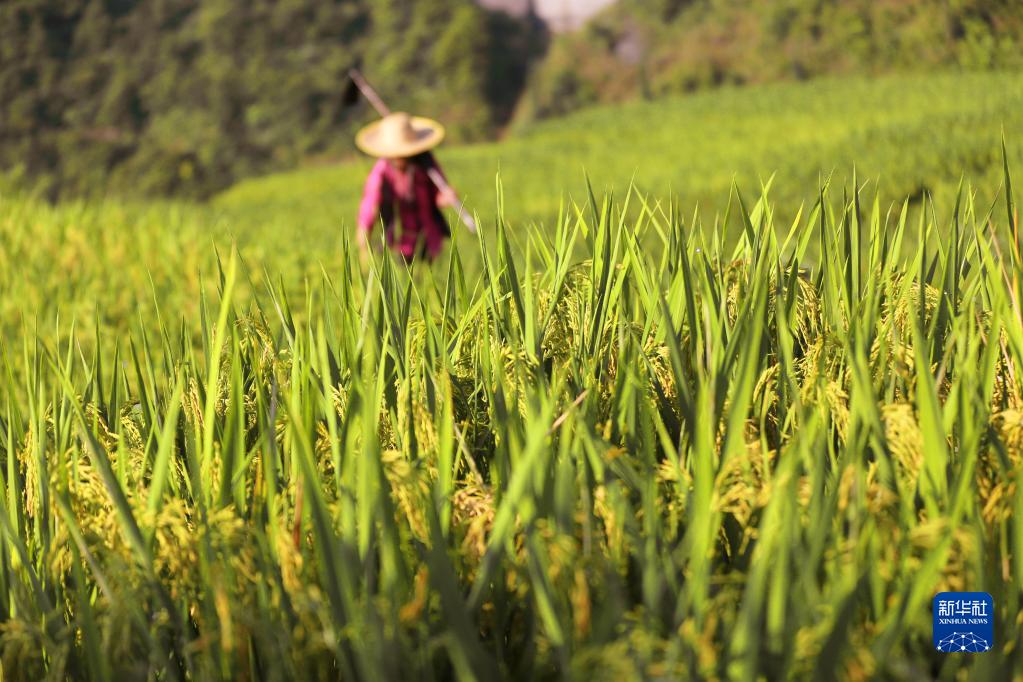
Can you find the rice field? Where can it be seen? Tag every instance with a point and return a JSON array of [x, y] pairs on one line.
[[623, 434], [679, 455], [910, 135]]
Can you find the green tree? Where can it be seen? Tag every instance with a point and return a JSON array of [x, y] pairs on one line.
[[185, 96]]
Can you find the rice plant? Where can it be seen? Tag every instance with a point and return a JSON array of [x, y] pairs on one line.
[[679, 456]]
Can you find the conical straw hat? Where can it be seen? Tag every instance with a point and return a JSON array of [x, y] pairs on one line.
[[398, 134]]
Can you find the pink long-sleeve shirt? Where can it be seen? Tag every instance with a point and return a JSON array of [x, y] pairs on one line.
[[414, 195]]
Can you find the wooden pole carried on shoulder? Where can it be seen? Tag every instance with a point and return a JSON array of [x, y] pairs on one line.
[[370, 94]]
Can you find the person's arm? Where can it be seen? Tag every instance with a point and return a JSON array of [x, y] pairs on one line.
[[369, 208], [446, 197]]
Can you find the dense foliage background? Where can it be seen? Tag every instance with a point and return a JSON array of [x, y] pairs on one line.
[[183, 96], [655, 47]]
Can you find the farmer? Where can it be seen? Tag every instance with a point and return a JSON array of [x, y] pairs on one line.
[[400, 186]]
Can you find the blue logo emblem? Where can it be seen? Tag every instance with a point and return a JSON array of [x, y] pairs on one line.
[[964, 622]]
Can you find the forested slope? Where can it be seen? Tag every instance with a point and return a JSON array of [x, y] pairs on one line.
[[183, 96], [649, 48]]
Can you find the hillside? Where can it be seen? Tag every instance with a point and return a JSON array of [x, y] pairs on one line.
[[642, 48], [905, 131], [183, 97]]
